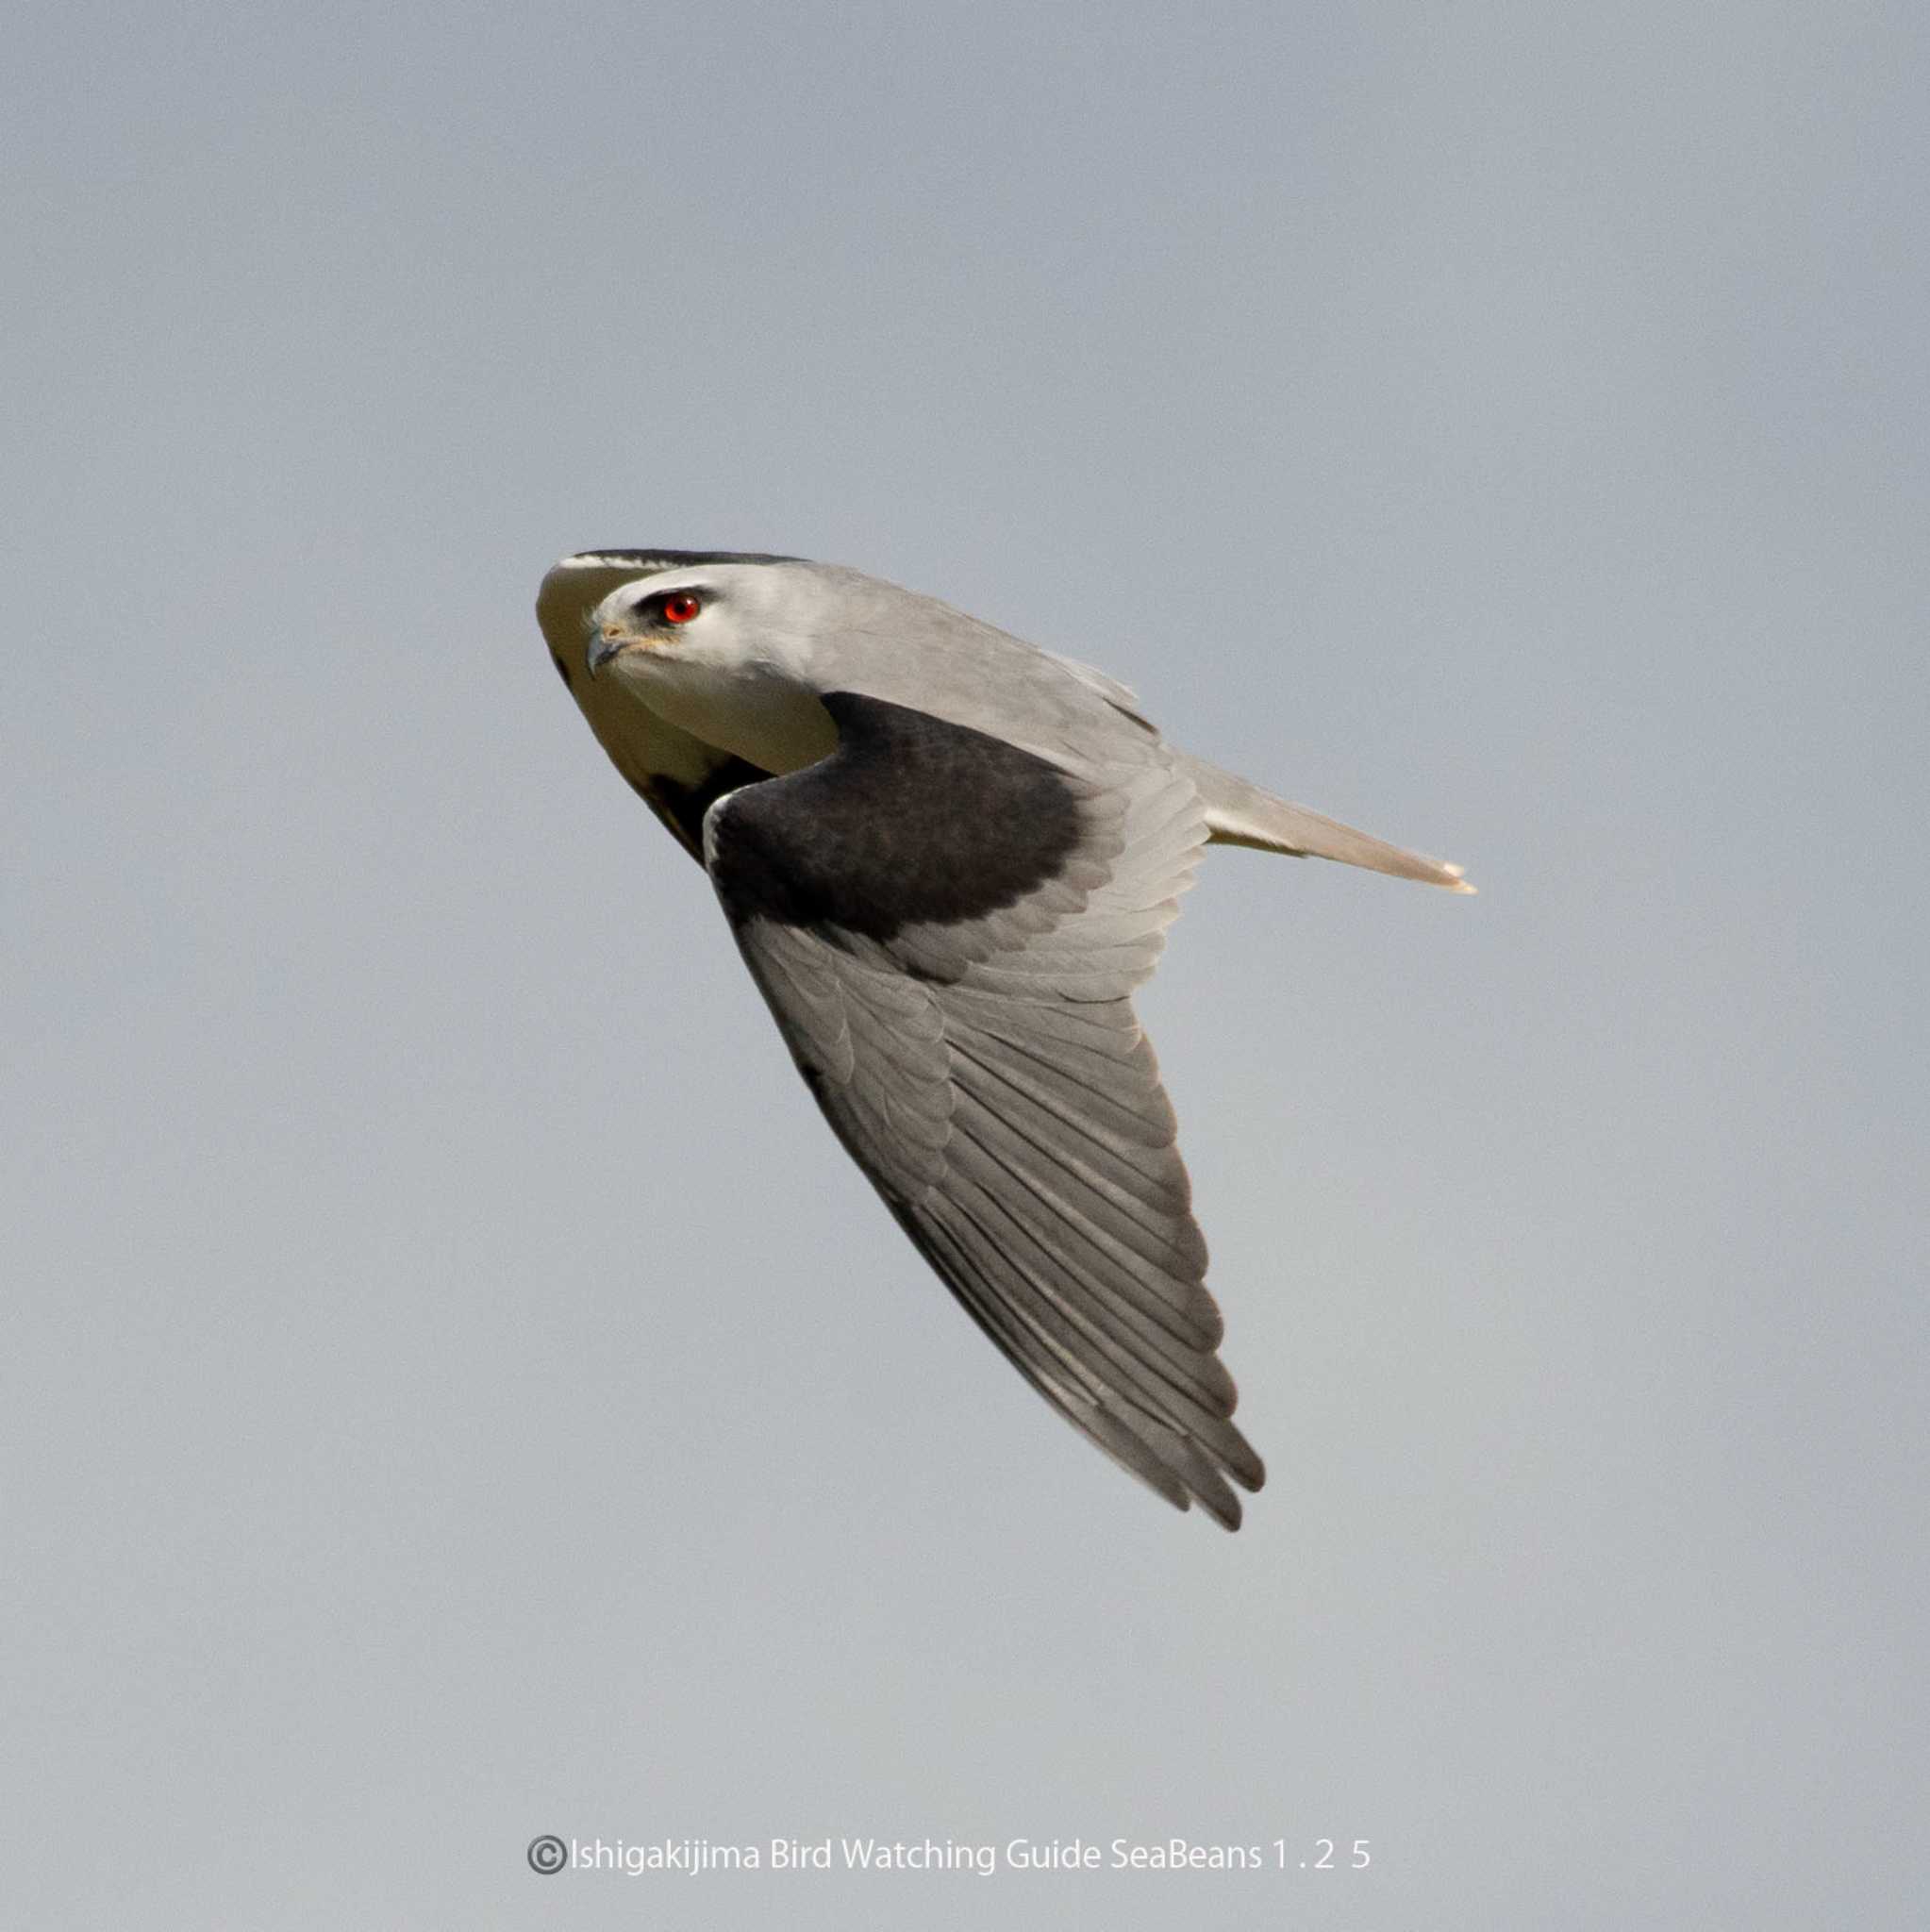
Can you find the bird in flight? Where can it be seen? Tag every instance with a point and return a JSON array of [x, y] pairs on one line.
[[949, 859]]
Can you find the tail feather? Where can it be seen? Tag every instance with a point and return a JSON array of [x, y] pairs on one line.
[[1238, 813]]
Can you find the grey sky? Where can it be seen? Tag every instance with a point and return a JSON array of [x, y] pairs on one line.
[[452, 1388]]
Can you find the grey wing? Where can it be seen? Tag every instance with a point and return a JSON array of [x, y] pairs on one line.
[[948, 930]]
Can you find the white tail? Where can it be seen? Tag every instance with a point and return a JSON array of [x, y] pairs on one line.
[[1238, 813]]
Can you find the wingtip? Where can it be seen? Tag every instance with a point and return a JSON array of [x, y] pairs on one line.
[[1226, 1514], [1454, 882]]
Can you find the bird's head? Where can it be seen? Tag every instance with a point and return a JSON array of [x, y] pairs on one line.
[[676, 611], [719, 616]]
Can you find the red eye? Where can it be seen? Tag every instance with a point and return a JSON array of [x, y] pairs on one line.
[[680, 607]]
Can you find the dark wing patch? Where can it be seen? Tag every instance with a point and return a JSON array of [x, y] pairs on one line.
[[948, 932], [909, 820]]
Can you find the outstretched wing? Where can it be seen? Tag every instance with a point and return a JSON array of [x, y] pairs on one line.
[[949, 930]]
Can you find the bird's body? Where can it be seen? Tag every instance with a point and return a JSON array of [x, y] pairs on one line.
[[949, 859]]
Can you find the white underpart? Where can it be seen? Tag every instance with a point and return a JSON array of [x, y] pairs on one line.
[[751, 710]]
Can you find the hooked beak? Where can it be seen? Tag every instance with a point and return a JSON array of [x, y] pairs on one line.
[[603, 646]]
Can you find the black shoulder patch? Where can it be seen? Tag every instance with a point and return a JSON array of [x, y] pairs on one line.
[[909, 820]]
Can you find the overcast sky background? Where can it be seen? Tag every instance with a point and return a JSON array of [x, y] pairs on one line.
[[453, 1388]]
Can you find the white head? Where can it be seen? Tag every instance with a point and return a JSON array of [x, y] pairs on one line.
[[728, 618]]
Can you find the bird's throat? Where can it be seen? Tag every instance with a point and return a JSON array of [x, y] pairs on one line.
[[755, 713]]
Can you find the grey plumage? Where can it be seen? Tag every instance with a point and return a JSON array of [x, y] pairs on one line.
[[949, 859]]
